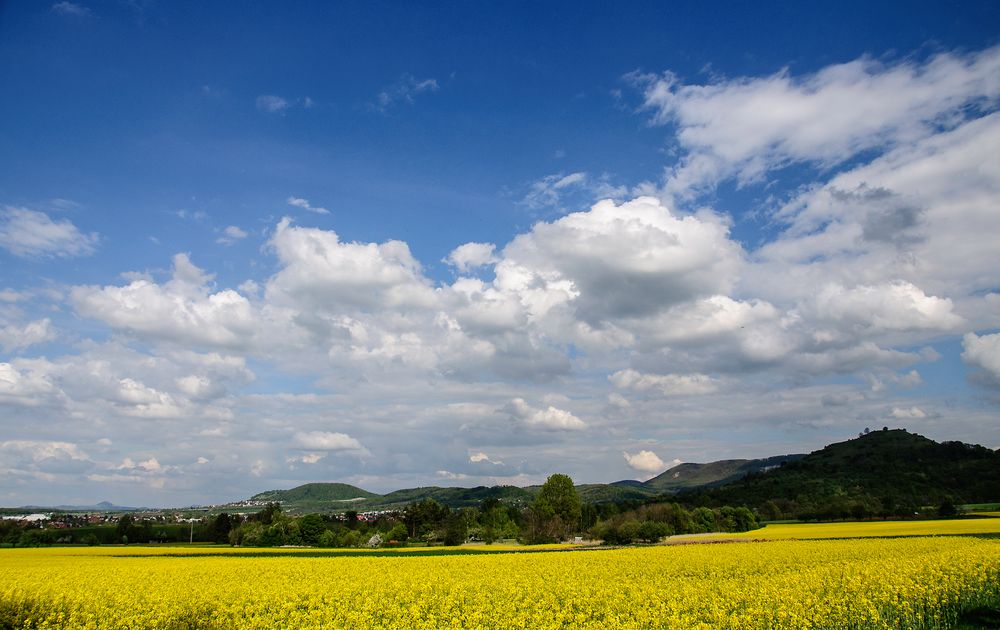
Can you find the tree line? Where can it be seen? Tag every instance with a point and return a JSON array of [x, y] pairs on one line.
[[556, 514]]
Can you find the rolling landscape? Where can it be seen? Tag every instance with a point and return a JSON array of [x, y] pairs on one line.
[[493, 314], [890, 472]]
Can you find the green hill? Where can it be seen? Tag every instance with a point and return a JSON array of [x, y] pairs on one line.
[[889, 472], [614, 492], [690, 476], [453, 497], [341, 495], [878, 474]]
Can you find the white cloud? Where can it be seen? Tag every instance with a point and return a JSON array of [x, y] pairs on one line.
[[892, 306], [272, 103], [919, 215], [666, 384], [326, 441], [645, 461], [182, 310], [983, 352], [230, 235], [616, 261], [548, 191], [24, 386], [30, 234], [554, 191], [748, 126], [405, 90], [901, 413], [298, 202], [549, 419], [319, 271], [41, 450], [467, 257], [16, 337]]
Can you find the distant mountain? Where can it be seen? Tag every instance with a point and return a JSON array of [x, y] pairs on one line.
[[690, 476], [881, 473]]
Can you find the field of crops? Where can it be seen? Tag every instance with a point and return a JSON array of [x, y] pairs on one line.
[[864, 529], [864, 583]]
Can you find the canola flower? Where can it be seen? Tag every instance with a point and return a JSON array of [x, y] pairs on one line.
[[862, 529], [864, 583]]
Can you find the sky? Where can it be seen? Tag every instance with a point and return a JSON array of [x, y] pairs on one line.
[[245, 246]]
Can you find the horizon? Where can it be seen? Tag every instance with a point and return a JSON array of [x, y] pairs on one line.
[[403, 246]]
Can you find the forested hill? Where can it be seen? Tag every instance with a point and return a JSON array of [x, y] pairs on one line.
[[888, 472], [322, 494], [688, 476]]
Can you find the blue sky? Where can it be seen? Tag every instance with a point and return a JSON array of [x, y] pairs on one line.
[[244, 247]]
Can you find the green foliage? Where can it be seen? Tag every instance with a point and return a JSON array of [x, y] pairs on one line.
[[311, 527], [556, 512], [219, 527], [882, 473], [456, 529], [650, 523]]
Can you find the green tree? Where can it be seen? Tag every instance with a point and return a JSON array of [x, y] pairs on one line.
[[328, 538], [124, 527], [218, 528], [456, 529], [555, 514], [269, 513], [311, 527]]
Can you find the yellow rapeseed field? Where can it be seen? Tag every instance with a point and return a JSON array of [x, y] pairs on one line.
[[864, 583], [864, 529]]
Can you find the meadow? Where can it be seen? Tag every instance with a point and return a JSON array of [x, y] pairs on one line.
[[918, 581]]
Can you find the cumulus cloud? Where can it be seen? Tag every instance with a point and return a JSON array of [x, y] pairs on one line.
[[891, 306], [983, 352], [183, 310], [618, 261], [31, 234], [548, 419], [645, 461], [319, 270], [469, 256], [326, 441], [901, 413]]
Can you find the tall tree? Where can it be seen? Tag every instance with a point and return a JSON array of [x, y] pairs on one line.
[[555, 514]]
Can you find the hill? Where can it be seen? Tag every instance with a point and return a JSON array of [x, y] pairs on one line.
[[318, 496], [881, 473], [453, 497], [689, 476], [888, 472]]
